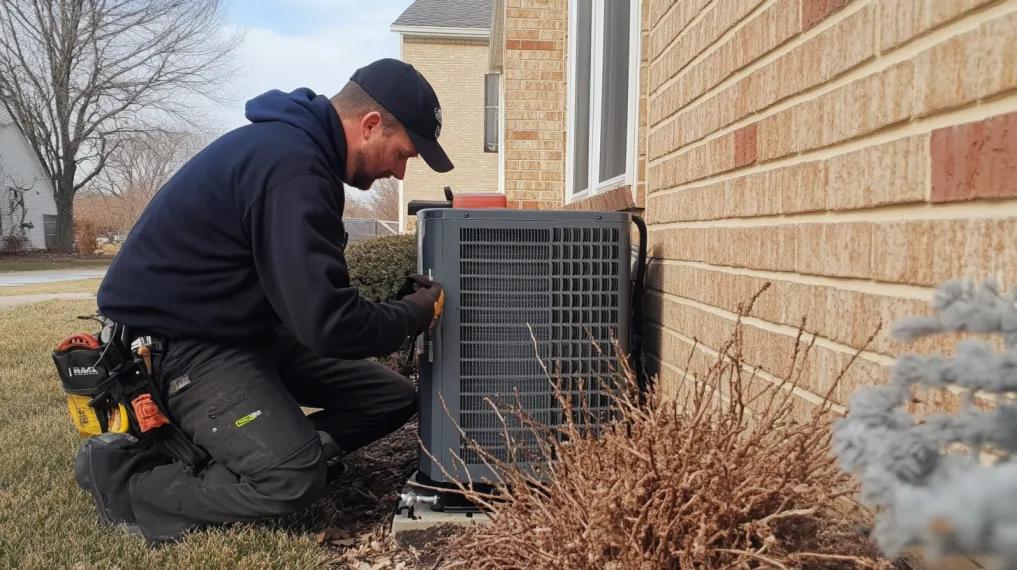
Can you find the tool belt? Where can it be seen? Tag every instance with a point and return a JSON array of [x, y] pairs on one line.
[[111, 379]]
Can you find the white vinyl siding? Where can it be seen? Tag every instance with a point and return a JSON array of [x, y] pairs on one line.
[[20, 172]]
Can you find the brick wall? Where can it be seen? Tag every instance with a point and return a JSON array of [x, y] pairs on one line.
[[534, 113], [852, 153], [455, 68]]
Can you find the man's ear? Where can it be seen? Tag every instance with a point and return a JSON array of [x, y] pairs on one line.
[[369, 123]]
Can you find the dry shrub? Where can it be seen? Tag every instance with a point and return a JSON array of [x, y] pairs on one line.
[[108, 249], [86, 236], [710, 478], [16, 243]]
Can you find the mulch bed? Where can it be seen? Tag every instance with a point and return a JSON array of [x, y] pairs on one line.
[[362, 505]]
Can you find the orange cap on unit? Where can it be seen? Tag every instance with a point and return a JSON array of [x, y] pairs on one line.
[[479, 201]]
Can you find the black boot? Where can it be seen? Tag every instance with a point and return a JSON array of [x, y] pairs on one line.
[[335, 466], [104, 466]]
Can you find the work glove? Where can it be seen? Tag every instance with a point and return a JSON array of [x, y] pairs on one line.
[[428, 295]]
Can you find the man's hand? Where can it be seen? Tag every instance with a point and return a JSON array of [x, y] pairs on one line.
[[429, 295]]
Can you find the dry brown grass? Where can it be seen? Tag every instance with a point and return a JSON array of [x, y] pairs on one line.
[[711, 478]]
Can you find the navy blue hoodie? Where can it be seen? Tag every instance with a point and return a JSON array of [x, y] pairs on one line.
[[247, 235]]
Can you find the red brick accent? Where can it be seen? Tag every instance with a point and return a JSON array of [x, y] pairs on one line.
[[745, 145], [530, 205], [613, 200], [815, 11], [975, 160], [529, 44], [521, 135]]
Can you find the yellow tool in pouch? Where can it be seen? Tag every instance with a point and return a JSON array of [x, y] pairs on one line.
[[79, 362], [86, 418]]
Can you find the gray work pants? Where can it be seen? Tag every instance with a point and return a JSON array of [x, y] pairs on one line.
[[242, 405]]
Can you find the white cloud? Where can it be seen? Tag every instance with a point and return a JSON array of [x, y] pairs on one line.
[[322, 59]]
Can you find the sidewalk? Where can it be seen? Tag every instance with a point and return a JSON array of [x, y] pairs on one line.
[[15, 300], [12, 278]]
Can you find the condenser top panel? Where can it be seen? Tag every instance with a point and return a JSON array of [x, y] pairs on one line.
[[511, 214]]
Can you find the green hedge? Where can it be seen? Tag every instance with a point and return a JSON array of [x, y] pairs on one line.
[[378, 265]]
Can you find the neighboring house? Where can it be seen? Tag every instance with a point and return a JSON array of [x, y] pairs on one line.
[[363, 228], [447, 41], [854, 154], [26, 193]]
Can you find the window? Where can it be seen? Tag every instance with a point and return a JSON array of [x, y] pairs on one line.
[[491, 112], [49, 230], [603, 62]]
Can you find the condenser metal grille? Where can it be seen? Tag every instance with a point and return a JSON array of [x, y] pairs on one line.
[[532, 298]]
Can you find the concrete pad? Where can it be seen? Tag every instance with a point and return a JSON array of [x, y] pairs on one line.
[[9, 301], [424, 518]]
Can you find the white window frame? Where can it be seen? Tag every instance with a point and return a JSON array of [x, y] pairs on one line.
[[596, 100], [497, 114]]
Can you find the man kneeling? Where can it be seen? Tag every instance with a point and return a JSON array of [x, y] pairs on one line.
[[237, 268]]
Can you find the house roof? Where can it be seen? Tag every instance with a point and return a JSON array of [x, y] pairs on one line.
[[454, 14]]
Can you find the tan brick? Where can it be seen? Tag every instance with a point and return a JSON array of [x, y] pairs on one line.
[[929, 252], [710, 158], [801, 187], [860, 107], [775, 134], [750, 196], [945, 75], [845, 316], [764, 32], [689, 204], [902, 20], [455, 69], [890, 173], [997, 69], [658, 9], [716, 20], [771, 351], [790, 189], [836, 250], [868, 104], [759, 247], [672, 24]]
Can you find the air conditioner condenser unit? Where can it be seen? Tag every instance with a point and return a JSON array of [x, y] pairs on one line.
[[533, 298]]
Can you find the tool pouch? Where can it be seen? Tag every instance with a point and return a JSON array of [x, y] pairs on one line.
[[84, 366], [112, 385]]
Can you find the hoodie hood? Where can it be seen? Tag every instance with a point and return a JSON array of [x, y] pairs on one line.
[[309, 112]]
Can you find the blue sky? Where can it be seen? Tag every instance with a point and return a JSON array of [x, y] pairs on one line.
[[305, 43]]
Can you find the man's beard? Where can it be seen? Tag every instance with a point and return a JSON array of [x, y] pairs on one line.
[[361, 178]]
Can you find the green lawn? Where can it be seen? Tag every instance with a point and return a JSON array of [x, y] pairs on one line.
[[46, 521]]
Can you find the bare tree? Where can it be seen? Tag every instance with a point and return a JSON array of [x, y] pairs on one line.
[[357, 208], [114, 200], [78, 77], [384, 200]]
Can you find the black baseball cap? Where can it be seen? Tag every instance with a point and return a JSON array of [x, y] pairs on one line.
[[404, 92]]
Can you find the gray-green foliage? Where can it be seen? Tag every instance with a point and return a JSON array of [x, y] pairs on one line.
[[949, 503], [378, 265]]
